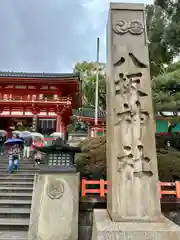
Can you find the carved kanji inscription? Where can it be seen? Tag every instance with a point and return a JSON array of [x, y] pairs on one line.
[[132, 116]]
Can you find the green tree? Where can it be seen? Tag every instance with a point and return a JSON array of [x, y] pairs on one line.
[[163, 34], [166, 93], [87, 72], [159, 52], [166, 90]]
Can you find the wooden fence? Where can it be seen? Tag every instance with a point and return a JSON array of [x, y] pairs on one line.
[[166, 188]]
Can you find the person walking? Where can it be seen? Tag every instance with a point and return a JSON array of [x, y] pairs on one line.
[[13, 158], [27, 145], [37, 157], [37, 154], [2, 140]]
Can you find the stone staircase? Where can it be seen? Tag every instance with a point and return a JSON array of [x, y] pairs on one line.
[[15, 199]]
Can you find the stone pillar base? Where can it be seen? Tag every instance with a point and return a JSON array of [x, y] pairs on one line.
[[55, 207], [105, 229]]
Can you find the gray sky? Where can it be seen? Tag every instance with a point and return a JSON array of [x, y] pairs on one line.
[[51, 35]]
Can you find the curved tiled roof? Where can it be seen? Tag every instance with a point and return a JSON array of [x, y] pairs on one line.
[[38, 75]]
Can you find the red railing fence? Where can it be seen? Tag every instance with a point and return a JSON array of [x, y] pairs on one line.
[[166, 188], [100, 190]]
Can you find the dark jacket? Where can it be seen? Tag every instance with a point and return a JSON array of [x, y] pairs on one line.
[[2, 139], [27, 142]]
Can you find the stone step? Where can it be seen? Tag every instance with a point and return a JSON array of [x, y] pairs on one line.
[[17, 189], [11, 203], [19, 174], [16, 184], [11, 178], [15, 199], [5, 160], [21, 167], [21, 162], [15, 213], [21, 224], [13, 221], [16, 195], [21, 159], [13, 235], [4, 171], [24, 202], [15, 210]]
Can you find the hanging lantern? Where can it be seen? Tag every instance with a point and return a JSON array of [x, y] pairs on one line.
[[40, 96], [33, 97], [55, 97], [19, 124]]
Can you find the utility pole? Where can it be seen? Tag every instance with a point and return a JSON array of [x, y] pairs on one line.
[[97, 85]]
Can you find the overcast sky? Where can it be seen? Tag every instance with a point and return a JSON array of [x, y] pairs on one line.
[[51, 35]]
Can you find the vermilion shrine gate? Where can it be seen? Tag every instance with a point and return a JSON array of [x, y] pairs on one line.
[[39, 96]]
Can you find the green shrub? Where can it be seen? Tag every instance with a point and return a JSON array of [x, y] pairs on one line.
[[92, 161]]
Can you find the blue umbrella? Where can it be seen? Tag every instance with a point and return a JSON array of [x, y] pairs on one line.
[[12, 141]]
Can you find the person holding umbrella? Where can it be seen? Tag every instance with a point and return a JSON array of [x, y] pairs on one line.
[[13, 153], [26, 135], [38, 141]]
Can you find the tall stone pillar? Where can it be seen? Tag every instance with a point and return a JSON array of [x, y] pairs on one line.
[[133, 199]]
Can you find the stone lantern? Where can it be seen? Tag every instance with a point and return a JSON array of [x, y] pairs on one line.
[[59, 156], [55, 202]]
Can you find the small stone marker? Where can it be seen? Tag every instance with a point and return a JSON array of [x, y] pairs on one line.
[[55, 202]]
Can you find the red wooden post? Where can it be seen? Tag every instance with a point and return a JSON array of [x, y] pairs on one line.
[[178, 189], [102, 188], [160, 190], [83, 187]]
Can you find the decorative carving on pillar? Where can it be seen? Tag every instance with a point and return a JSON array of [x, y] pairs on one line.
[[134, 27], [55, 189]]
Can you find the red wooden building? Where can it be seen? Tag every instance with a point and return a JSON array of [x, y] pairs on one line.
[[44, 97]]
